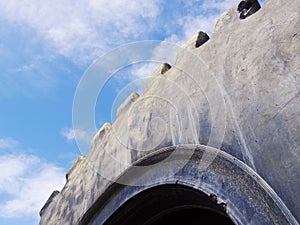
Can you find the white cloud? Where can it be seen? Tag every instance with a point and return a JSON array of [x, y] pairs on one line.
[[85, 29], [193, 25], [205, 21], [82, 28], [164, 52], [175, 39], [143, 70], [70, 134], [221, 6], [8, 143], [27, 182]]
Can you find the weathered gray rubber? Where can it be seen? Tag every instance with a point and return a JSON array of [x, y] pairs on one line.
[[239, 93], [249, 199]]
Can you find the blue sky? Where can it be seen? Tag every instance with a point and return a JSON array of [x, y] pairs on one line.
[[45, 48]]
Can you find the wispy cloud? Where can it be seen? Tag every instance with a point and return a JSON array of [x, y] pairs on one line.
[[192, 25], [8, 143], [140, 71], [85, 28], [81, 137], [218, 5], [88, 28], [70, 134], [27, 182], [83, 31]]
